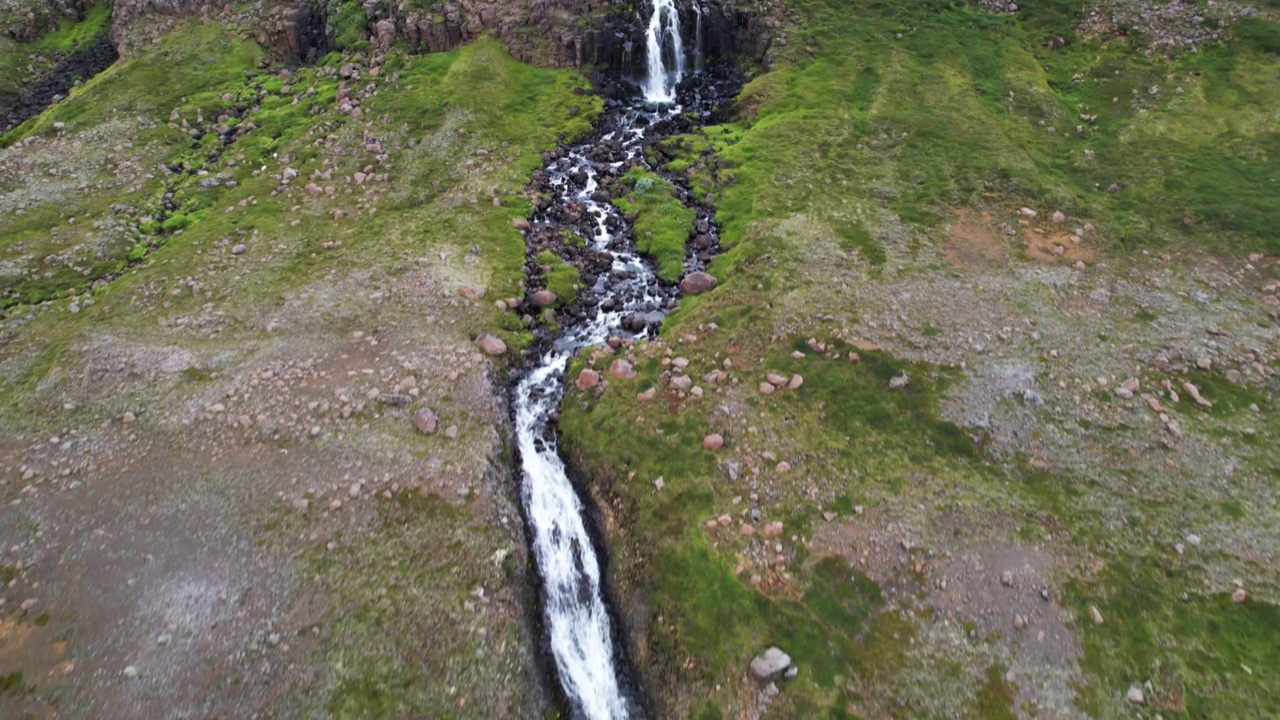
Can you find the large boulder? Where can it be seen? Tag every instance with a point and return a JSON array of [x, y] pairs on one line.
[[696, 283]]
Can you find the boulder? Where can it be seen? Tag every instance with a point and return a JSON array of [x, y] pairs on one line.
[[713, 441], [587, 379], [696, 283], [621, 369], [491, 345], [769, 664], [542, 299]]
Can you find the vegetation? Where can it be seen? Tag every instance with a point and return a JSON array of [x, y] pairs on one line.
[[662, 223]]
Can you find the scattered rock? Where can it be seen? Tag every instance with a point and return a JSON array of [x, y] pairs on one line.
[[713, 441], [543, 299], [696, 283], [796, 382], [131, 672], [1095, 615], [1194, 392], [491, 345], [767, 388], [1239, 596], [451, 432], [897, 382], [425, 421], [621, 369], [1136, 696], [587, 379], [769, 664], [471, 292]]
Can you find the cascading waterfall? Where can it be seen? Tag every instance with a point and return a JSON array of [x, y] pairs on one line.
[[620, 285], [665, 53], [698, 60]]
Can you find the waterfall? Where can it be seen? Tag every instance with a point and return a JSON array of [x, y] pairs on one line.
[[665, 53], [697, 38]]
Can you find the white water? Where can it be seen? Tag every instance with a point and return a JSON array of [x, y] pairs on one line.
[[664, 46], [577, 622]]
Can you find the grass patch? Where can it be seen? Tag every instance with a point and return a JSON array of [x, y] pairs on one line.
[[662, 223], [1204, 655]]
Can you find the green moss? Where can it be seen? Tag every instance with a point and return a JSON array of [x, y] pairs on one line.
[[995, 697], [562, 279], [662, 224], [1204, 655]]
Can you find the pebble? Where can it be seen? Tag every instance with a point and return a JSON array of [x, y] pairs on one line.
[[1239, 596], [131, 672], [713, 441], [1095, 615], [1135, 695]]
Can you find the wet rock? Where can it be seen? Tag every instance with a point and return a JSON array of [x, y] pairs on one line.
[[769, 664], [491, 345], [696, 283], [425, 421]]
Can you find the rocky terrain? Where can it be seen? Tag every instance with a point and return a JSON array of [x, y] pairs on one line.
[[973, 414]]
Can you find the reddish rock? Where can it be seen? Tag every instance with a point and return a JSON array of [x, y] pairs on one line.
[[621, 369], [587, 379], [796, 382], [696, 283], [542, 299], [713, 441], [776, 379], [491, 345], [471, 292], [767, 388], [425, 421]]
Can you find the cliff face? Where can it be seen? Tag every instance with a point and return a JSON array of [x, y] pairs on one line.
[[563, 33]]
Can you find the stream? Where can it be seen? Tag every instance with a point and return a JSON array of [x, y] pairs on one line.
[[621, 297]]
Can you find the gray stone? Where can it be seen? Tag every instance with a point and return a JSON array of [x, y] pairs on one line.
[[426, 421], [769, 664]]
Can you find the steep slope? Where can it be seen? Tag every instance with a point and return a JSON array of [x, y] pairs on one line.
[[980, 258]]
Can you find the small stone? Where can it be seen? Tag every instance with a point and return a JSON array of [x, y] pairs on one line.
[[796, 382], [713, 441], [1006, 578], [239, 249], [1136, 696], [131, 672], [472, 292], [747, 530], [128, 417], [451, 432], [1095, 615], [1239, 596], [1205, 364], [163, 639], [491, 345], [767, 388], [425, 421], [897, 382], [1193, 540]]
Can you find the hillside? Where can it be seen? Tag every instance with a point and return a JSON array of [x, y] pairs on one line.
[[977, 418]]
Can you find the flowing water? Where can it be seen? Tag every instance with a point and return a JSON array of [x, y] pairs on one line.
[[583, 643], [665, 53]]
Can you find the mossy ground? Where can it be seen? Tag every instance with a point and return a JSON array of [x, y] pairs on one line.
[[362, 279], [838, 181], [662, 226]]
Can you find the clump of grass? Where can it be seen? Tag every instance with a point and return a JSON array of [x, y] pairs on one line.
[[1204, 655], [562, 279], [662, 223]]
